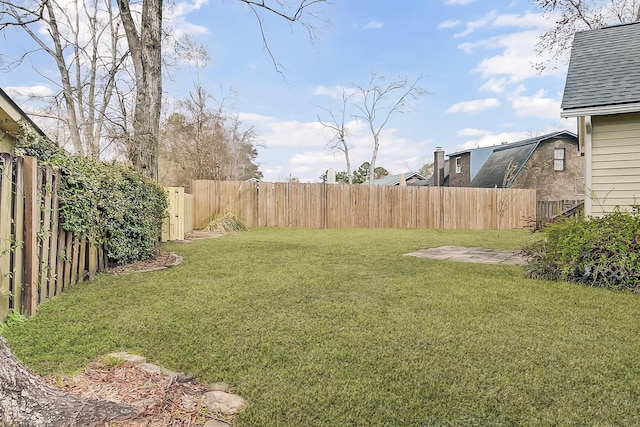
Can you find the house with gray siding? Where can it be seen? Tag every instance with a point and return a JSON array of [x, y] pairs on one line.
[[602, 91]]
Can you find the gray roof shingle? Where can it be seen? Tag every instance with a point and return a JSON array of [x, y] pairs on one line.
[[492, 172], [603, 68]]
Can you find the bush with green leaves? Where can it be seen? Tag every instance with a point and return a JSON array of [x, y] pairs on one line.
[[602, 252], [104, 202]]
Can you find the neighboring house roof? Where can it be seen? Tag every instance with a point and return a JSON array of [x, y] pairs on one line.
[[603, 73], [11, 115], [477, 158], [395, 179], [492, 173], [446, 176]]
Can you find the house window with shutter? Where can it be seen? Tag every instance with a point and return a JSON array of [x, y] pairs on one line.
[[458, 165], [558, 159]]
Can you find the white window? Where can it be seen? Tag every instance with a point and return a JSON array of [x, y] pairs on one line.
[[558, 159], [458, 165]]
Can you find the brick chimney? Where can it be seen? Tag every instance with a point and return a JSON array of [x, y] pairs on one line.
[[438, 167]]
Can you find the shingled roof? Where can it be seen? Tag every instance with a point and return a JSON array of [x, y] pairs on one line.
[[603, 70], [395, 179], [492, 172]]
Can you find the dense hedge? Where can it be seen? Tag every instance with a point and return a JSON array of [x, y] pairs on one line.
[[602, 252], [106, 202]]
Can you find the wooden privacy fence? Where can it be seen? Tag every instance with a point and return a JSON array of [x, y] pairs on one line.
[[546, 210], [38, 259], [362, 206]]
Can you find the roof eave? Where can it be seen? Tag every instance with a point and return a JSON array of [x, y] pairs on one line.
[[15, 113], [601, 110]]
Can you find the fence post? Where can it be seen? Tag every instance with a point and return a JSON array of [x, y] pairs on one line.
[[5, 233], [31, 225]]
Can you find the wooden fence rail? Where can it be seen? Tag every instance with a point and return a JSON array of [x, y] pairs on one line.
[[38, 259], [361, 206], [546, 210]]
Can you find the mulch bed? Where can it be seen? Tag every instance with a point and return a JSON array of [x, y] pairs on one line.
[[165, 401], [162, 260]]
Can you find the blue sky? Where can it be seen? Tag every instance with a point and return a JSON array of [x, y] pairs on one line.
[[476, 58]]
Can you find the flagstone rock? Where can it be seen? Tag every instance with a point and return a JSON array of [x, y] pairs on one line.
[[224, 403]]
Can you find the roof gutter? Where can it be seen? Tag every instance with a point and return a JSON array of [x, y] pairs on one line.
[[601, 110]]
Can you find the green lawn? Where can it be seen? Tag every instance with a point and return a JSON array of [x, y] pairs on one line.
[[338, 328]]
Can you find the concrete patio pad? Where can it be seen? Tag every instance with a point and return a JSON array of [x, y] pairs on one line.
[[466, 254]]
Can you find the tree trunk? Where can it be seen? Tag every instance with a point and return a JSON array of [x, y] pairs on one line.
[[146, 53], [26, 400]]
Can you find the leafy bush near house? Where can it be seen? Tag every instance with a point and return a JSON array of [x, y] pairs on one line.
[[602, 252], [106, 202]]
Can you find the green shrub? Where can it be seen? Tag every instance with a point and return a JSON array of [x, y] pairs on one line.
[[105, 202], [602, 252]]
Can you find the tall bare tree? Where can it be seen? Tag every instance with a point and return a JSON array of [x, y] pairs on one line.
[[146, 51], [84, 41], [142, 26], [339, 130], [380, 100], [145, 47], [577, 15], [199, 142]]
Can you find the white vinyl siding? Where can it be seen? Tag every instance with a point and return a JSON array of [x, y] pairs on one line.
[[615, 163]]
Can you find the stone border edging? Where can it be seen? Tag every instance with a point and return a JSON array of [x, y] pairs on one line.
[[178, 260], [218, 399]]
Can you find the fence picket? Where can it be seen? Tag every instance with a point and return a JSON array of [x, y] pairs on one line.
[[6, 167], [38, 259], [361, 206]]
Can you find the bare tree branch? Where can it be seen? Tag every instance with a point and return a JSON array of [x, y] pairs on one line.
[[340, 131], [571, 16], [385, 99], [293, 15]]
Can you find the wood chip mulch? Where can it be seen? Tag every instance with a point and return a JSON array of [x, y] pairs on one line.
[[165, 401]]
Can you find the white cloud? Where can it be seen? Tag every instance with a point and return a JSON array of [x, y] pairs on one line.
[[273, 132], [176, 17], [515, 63], [448, 24], [474, 106], [308, 155], [373, 25], [477, 24], [333, 92], [528, 20], [493, 139], [37, 91], [494, 85], [495, 20], [538, 105], [466, 132]]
